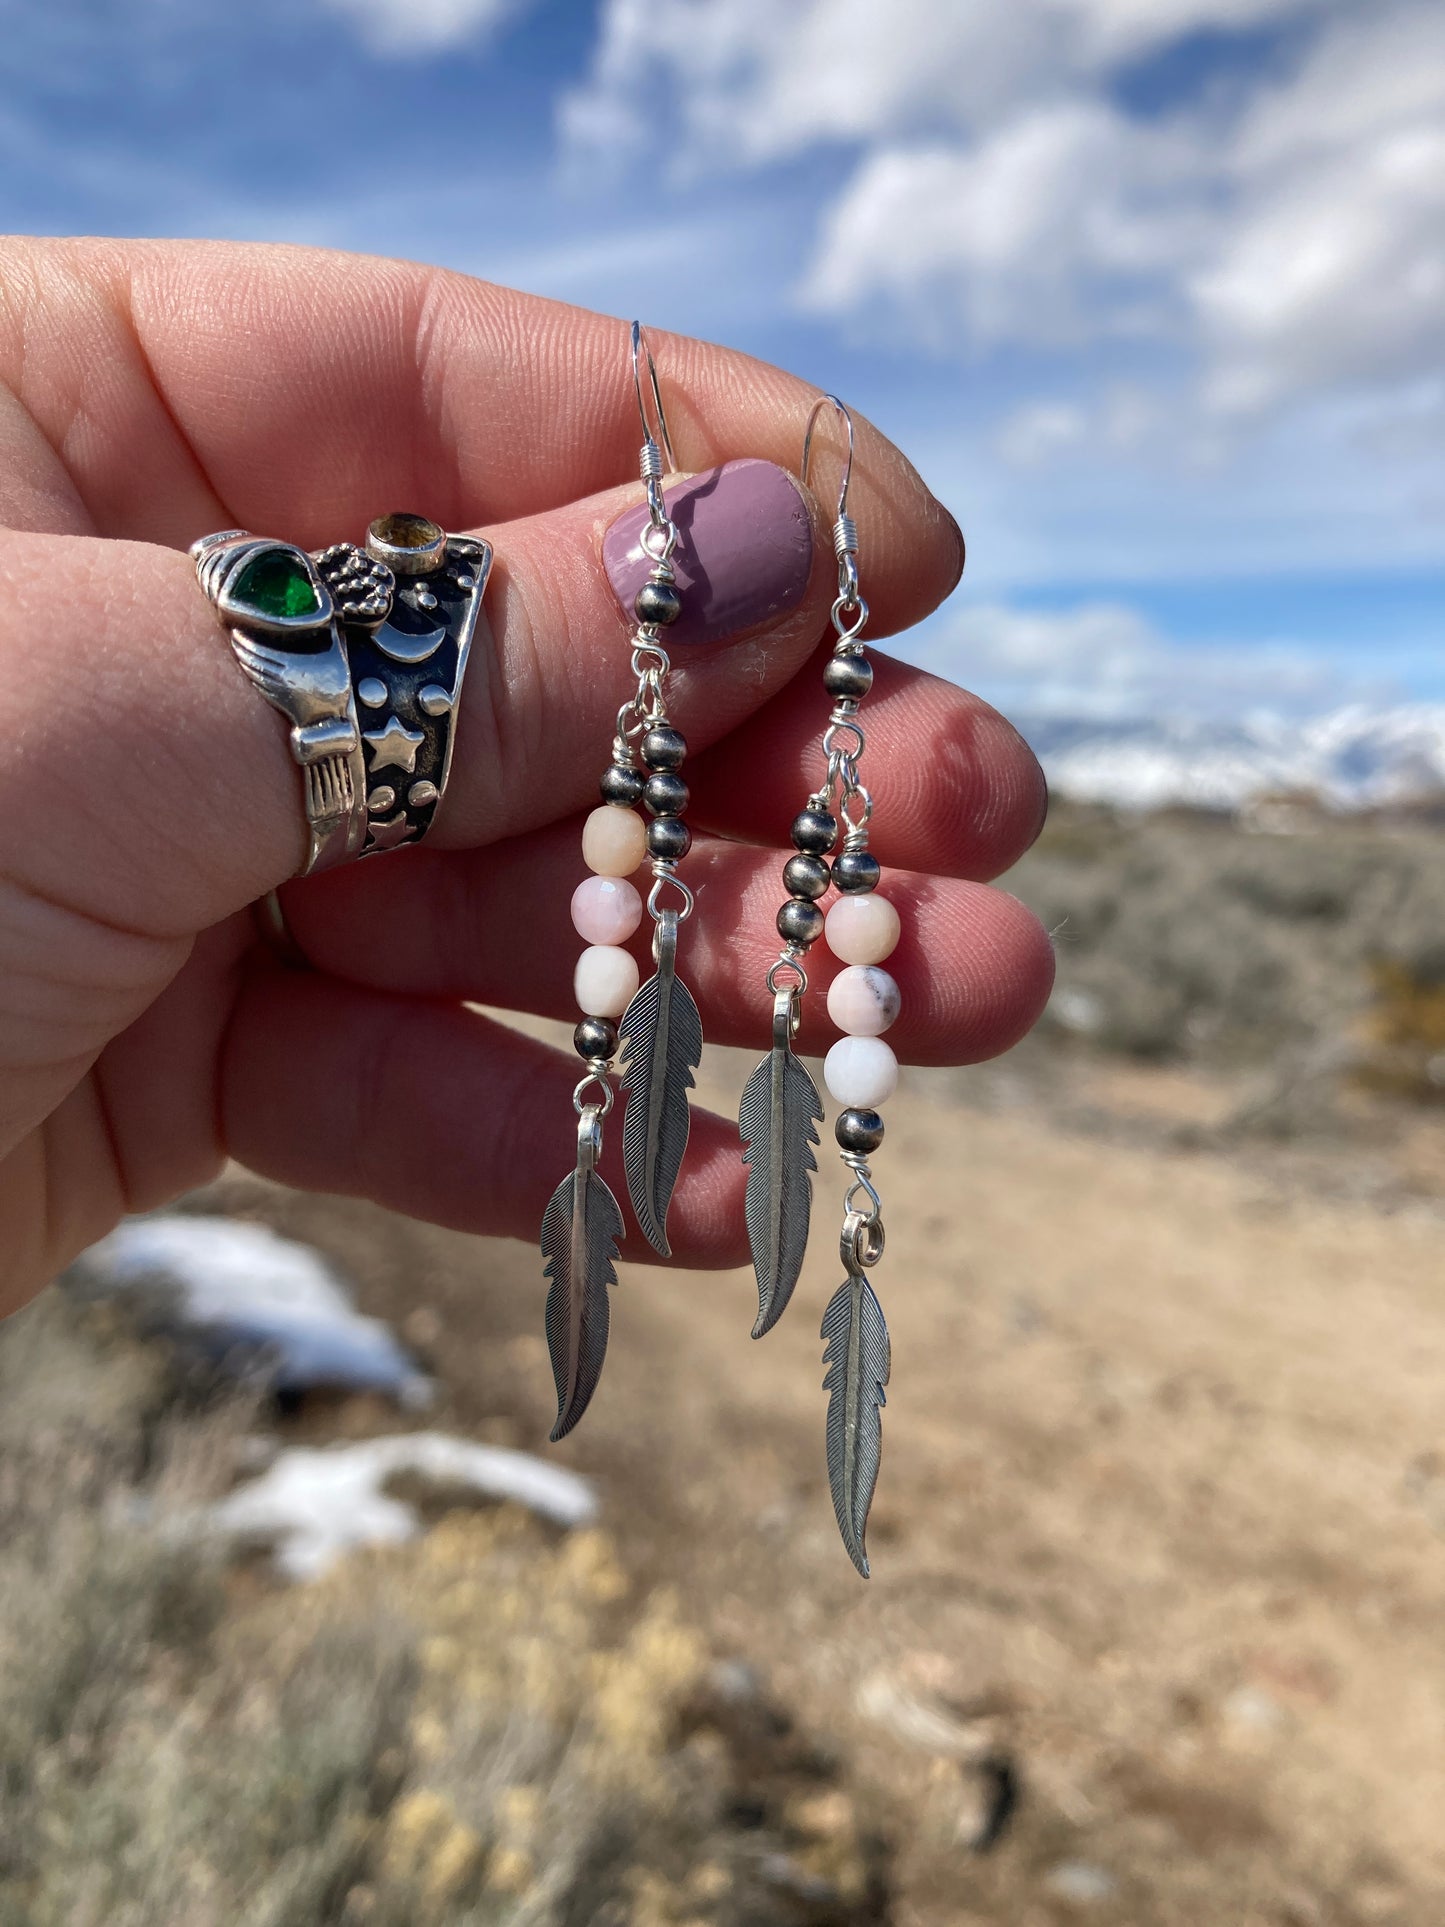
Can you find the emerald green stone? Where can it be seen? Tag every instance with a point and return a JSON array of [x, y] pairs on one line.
[[276, 584]]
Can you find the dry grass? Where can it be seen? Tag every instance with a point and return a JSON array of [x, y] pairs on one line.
[[485, 1729]]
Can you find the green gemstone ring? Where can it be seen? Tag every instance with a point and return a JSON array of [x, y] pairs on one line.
[[327, 638]]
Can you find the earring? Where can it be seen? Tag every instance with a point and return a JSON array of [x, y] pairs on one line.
[[660, 1022], [780, 1105]]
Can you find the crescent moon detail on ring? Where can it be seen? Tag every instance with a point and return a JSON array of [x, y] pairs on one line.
[[402, 647]]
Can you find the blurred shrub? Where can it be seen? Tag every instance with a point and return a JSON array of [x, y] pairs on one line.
[[482, 1729], [1406, 1031], [1196, 939]]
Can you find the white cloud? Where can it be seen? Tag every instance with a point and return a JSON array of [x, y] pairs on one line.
[[1377, 69], [423, 26], [1335, 279], [1040, 431], [1063, 224], [1284, 237], [1332, 273], [1105, 659], [1105, 648], [752, 80], [1303, 251], [1116, 30]]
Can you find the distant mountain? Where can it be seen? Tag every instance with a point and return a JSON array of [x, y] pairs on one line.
[[1354, 758]]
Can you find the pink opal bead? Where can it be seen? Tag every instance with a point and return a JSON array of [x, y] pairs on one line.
[[605, 910], [863, 1000], [862, 930], [861, 1072], [614, 842], [605, 980]]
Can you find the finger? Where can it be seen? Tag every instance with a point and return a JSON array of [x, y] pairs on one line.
[[195, 386], [974, 966], [151, 785], [956, 789], [437, 1112]]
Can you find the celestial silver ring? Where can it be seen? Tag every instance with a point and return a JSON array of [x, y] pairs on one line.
[[363, 650]]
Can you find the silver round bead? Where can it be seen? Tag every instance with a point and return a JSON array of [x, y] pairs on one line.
[[621, 784], [664, 747], [815, 832], [848, 675], [806, 876], [856, 871], [657, 602], [800, 921], [665, 793], [595, 1037], [668, 838], [860, 1131]]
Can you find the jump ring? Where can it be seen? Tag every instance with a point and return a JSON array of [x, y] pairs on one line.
[[654, 895], [798, 987], [835, 729], [850, 613], [604, 1103], [861, 1243]]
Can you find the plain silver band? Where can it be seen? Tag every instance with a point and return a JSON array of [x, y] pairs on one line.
[[275, 932]]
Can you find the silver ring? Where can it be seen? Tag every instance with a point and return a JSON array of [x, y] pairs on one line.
[[269, 916], [363, 650]]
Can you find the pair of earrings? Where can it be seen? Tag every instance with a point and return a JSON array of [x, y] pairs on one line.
[[659, 1031]]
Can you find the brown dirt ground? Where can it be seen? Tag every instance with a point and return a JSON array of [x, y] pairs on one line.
[[1160, 1532]]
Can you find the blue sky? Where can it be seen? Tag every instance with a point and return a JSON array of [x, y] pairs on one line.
[[1153, 291]]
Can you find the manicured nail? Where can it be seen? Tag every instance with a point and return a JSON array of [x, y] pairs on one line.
[[962, 547], [744, 550]]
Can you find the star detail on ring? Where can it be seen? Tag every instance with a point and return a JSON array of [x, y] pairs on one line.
[[395, 746], [391, 834]]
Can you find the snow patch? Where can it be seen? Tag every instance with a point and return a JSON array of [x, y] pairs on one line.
[[1351, 758], [254, 1301], [315, 1505]]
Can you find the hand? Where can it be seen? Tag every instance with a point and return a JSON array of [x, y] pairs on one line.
[[154, 392]]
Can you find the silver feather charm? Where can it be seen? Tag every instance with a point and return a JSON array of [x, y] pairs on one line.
[[662, 1034], [858, 1357], [779, 1109], [580, 1233]]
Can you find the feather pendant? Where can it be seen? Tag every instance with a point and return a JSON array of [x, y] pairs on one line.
[[662, 1034], [857, 1355], [779, 1109], [581, 1230]]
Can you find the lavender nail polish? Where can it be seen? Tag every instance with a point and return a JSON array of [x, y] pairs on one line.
[[744, 550]]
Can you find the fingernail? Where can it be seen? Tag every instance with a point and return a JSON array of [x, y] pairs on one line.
[[744, 550], [962, 546]]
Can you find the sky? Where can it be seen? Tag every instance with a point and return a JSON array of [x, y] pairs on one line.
[[1152, 291]]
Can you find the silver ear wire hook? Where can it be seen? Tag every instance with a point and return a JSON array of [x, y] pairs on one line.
[[845, 529], [830, 401], [640, 350]]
